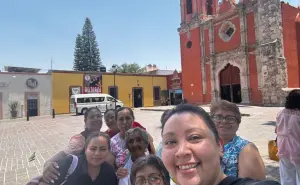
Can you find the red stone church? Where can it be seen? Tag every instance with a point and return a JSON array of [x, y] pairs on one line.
[[243, 51]]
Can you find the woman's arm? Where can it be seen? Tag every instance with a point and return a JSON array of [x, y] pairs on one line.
[[75, 147], [64, 165], [251, 164], [57, 157]]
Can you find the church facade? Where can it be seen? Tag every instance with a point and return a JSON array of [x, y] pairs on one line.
[[244, 52]]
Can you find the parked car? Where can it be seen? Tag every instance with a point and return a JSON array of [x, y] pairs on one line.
[[80, 103]]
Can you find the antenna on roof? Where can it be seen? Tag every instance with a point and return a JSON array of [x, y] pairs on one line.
[[51, 63]]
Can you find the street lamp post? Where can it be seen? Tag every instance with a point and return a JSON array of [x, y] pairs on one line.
[[114, 67]]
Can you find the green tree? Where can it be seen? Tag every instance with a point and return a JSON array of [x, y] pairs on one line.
[[129, 68], [77, 65], [90, 51]]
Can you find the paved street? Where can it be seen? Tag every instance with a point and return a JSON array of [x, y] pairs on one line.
[[46, 136]]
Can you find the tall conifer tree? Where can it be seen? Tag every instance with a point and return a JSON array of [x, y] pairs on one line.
[[86, 54], [77, 65], [90, 50]]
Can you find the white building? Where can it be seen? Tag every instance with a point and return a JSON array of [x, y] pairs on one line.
[[32, 91]]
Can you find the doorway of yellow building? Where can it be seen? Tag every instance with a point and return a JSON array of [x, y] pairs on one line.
[[138, 96]]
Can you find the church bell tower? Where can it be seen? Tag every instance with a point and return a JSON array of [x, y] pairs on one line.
[[202, 8]]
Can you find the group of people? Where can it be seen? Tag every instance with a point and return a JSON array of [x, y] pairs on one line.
[[197, 148]]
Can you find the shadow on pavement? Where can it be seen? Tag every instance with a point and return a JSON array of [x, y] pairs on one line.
[[270, 123], [272, 172]]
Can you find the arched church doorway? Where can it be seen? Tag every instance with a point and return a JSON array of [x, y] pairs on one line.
[[230, 84]]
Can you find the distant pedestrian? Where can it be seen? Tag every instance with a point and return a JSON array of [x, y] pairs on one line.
[[288, 139]]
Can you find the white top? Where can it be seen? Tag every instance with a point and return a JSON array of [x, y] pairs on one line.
[[126, 180]]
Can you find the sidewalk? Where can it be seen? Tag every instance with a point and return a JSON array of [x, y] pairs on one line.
[[245, 109], [33, 118]]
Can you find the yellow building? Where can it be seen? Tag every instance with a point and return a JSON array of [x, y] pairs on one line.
[[134, 90], [62, 83], [129, 87]]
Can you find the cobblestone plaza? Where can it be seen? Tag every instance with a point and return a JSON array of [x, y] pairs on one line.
[[46, 136]]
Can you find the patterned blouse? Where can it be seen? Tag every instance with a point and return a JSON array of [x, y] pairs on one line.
[[230, 159], [288, 135], [117, 147]]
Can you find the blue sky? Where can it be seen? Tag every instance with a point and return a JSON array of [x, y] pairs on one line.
[[34, 31]]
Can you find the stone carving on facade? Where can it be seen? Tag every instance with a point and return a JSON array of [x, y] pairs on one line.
[[236, 58], [268, 49], [203, 66], [227, 25], [223, 1]]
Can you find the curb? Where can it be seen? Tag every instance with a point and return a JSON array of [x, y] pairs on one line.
[[162, 110]]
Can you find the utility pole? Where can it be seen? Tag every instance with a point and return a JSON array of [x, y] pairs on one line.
[[51, 64]]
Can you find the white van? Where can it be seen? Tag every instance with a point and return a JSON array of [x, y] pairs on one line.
[[82, 102]]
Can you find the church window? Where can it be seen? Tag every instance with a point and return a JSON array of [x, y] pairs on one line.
[[227, 31], [189, 7], [209, 7], [189, 44]]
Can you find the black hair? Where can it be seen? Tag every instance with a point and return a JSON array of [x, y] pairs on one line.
[[187, 108], [164, 114], [110, 110], [150, 160], [89, 110], [125, 108], [293, 100], [97, 134]]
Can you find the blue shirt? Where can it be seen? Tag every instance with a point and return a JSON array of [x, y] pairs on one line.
[[230, 159]]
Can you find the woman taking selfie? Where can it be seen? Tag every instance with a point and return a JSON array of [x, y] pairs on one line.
[[192, 149]]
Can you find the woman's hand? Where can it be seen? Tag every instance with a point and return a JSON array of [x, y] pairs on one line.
[[122, 172], [51, 172]]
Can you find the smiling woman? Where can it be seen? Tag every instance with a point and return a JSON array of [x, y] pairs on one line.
[[241, 158], [136, 141], [192, 149], [89, 168]]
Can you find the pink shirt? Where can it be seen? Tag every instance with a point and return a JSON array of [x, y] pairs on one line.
[[288, 135]]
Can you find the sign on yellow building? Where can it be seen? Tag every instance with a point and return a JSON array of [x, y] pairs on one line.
[[134, 90]]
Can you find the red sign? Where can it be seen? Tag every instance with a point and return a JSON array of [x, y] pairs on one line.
[[92, 89], [92, 83]]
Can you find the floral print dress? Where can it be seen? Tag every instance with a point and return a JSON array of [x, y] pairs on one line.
[[230, 158]]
